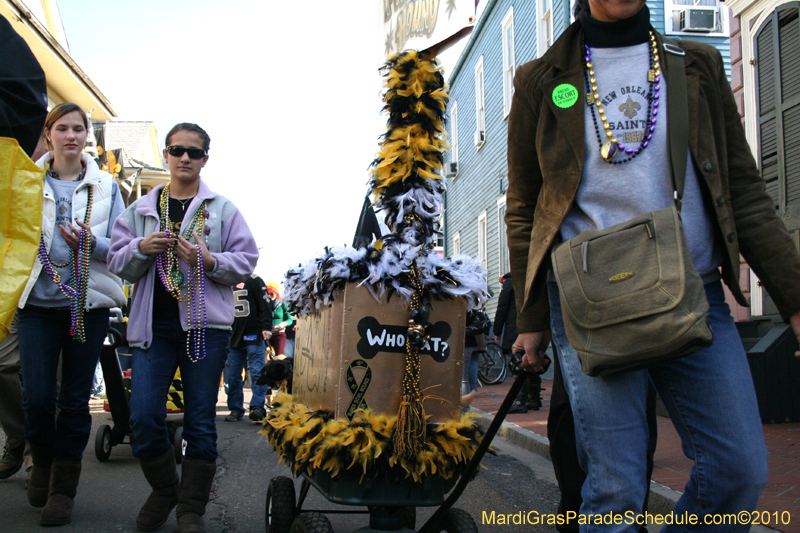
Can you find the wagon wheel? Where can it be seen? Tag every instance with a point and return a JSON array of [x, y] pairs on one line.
[[281, 509], [410, 517], [456, 521], [311, 523]]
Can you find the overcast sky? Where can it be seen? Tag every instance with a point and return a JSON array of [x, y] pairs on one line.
[[289, 93]]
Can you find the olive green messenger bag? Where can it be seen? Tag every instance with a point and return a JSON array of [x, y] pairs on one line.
[[630, 295]]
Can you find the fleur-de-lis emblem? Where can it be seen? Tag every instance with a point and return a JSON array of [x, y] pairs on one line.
[[630, 108]]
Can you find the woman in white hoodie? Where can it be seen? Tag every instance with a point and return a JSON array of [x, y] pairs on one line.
[[63, 311]]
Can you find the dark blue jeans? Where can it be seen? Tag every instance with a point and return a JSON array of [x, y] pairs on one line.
[[43, 337], [151, 375], [253, 356]]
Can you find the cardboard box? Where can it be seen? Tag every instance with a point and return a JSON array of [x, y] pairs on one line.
[[353, 353]]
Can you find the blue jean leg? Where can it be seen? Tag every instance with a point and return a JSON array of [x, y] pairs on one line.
[[256, 359], [200, 391], [711, 401], [44, 336], [233, 379], [254, 356], [151, 375], [289, 349], [470, 374]]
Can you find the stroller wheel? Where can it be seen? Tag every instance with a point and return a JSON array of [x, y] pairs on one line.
[[281, 505], [179, 445], [102, 443], [456, 521], [311, 523]]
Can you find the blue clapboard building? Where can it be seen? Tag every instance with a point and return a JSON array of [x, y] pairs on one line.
[[508, 34]]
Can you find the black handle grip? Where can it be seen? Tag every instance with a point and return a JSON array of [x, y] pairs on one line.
[[516, 359]]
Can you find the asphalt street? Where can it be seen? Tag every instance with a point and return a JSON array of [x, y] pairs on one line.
[[110, 493]]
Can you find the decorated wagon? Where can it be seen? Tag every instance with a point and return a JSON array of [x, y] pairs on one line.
[[375, 419]]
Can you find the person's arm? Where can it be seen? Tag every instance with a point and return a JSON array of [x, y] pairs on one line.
[[124, 257], [524, 185], [239, 254], [287, 317], [282, 310], [103, 242], [23, 90], [764, 241], [501, 313], [262, 306]]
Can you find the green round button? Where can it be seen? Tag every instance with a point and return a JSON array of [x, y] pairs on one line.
[[565, 95]]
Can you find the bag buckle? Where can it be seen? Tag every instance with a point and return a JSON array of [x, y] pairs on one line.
[[677, 200], [671, 48]]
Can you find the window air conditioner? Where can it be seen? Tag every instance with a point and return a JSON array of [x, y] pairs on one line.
[[697, 18], [452, 169], [480, 136]]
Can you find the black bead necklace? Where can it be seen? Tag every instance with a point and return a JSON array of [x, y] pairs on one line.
[[612, 146]]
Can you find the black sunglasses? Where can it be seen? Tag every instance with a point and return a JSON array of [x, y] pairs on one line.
[[177, 150]]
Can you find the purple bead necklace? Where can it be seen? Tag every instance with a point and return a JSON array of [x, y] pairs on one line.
[[80, 264], [170, 275], [612, 146]]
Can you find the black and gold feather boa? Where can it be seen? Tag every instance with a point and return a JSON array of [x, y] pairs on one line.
[[313, 440]]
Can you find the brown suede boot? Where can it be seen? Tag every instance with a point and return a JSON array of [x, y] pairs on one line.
[[64, 477], [162, 474], [196, 479], [39, 483]]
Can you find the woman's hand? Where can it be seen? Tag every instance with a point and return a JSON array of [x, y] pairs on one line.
[[72, 235], [188, 252], [155, 243], [533, 345]]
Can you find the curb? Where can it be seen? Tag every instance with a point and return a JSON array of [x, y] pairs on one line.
[[662, 498]]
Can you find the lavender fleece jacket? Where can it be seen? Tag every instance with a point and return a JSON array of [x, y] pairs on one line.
[[230, 241]]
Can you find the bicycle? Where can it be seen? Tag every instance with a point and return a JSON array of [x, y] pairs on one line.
[[492, 367]]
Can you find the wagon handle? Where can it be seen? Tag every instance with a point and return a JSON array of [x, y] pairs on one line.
[[475, 462]]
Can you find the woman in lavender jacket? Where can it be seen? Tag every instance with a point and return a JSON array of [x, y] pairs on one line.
[[184, 248]]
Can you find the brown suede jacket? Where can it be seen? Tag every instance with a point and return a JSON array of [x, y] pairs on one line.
[[545, 165]]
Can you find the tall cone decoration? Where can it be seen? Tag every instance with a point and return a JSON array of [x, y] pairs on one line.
[[407, 185]]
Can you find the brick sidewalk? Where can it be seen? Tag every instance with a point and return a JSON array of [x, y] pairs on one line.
[[672, 468]]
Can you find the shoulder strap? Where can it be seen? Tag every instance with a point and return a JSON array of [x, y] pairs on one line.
[[677, 115]]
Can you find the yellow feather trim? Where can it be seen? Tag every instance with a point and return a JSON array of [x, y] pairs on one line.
[[310, 440]]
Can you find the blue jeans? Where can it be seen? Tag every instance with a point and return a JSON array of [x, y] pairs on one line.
[[254, 356], [289, 348], [151, 375], [44, 336], [711, 401], [470, 375]]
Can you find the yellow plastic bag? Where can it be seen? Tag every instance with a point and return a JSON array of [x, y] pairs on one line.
[[21, 183]]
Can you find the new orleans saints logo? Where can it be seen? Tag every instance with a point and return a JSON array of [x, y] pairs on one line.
[[630, 108]]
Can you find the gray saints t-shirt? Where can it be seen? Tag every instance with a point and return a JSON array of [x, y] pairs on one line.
[[45, 293], [611, 194]]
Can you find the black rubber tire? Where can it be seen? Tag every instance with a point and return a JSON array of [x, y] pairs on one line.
[[281, 507], [456, 521], [177, 444], [410, 518], [492, 365], [102, 443], [311, 523]]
